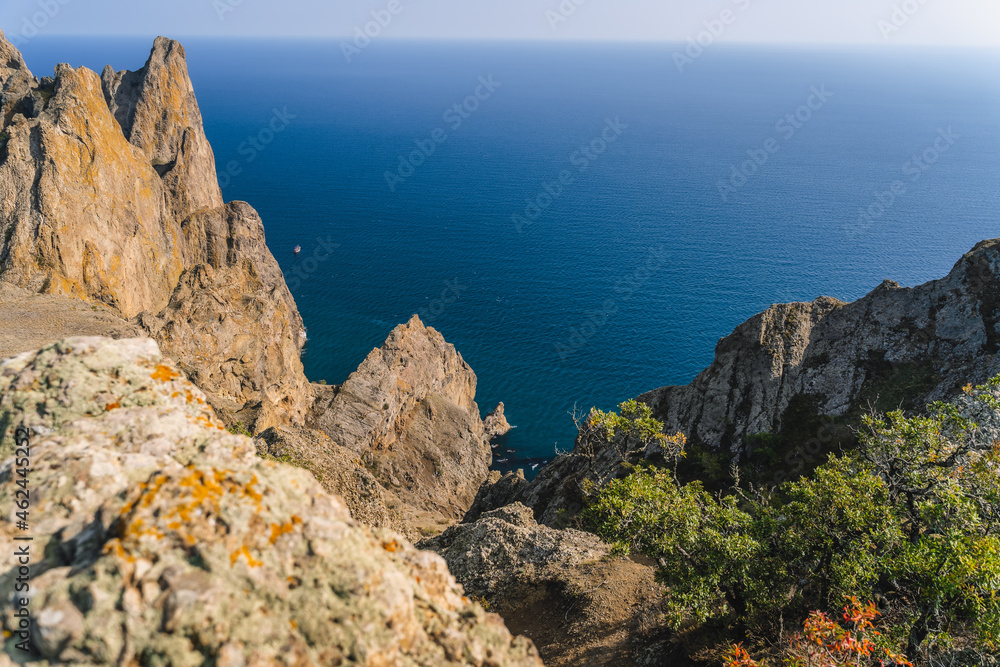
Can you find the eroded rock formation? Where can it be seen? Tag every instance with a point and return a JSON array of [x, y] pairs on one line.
[[108, 193], [409, 413]]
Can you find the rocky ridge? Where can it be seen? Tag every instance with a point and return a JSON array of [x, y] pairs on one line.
[[160, 538], [108, 193], [897, 345]]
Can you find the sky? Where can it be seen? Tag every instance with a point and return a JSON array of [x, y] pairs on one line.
[[948, 23]]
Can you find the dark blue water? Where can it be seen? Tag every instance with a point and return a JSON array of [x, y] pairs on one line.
[[635, 269]]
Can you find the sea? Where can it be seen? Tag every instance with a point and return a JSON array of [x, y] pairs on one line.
[[585, 221]]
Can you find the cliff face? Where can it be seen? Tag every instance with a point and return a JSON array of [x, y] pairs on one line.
[[108, 193], [896, 344], [409, 414], [162, 539]]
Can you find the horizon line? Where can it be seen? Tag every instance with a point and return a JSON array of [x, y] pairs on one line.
[[532, 40]]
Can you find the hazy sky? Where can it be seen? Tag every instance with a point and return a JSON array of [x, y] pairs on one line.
[[929, 22]]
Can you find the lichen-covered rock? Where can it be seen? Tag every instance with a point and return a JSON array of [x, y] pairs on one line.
[[409, 412], [160, 538], [108, 193]]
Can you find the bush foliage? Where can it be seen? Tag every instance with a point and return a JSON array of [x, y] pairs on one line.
[[911, 519]]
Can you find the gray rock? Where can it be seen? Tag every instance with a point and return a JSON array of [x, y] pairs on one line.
[[160, 538], [506, 548]]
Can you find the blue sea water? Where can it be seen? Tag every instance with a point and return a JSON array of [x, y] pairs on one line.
[[637, 264]]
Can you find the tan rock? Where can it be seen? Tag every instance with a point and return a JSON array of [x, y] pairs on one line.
[[108, 193], [409, 413]]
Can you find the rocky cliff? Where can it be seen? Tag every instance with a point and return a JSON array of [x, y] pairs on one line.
[[160, 538], [108, 193], [897, 346], [409, 415]]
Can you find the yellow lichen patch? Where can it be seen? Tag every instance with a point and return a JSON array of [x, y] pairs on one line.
[[164, 374], [279, 529], [245, 552], [137, 529], [114, 547], [147, 493], [295, 626], [200, 495]]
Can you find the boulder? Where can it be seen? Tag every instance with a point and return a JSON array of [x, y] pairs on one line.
[[161, 538], [561, 588]]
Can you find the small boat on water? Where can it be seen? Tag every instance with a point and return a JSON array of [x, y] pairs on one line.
[[298, 249]]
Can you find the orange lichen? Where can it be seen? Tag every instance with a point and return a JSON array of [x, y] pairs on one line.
[[112, 406], [245, 552], [392, 547], [164, 373], [114, 547], [279, 529], [295, 626], [201, 493]]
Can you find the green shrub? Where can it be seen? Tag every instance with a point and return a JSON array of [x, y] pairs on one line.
[[911, 518]]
